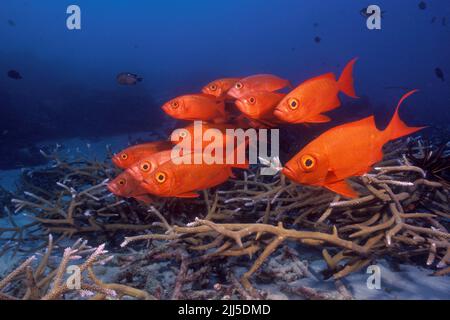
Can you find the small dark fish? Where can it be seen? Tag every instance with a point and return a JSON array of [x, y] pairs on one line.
[[13, 74], [128, 79], [11, 23], [315, 24], [317, 39], [422, 5], [433, 20], [439, 73], [293, 49], [444, 21]]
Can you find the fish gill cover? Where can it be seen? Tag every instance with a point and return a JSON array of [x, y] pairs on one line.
[[263, 149]]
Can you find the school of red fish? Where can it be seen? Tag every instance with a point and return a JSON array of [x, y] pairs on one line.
[[259, 101]]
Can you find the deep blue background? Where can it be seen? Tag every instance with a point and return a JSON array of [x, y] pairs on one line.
[[69, 86]]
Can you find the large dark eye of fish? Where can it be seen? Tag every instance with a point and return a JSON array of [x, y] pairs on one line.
[[122, 182], [308, 162], [175, 104], [252, 100], [293, 103], [124, 156], [213, 87], [238, 85], [145, 166], [160, 177]]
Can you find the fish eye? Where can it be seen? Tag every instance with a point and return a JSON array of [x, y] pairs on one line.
[[308, 162], [160, 177], [145, 166], [175, 104], [252, 100], [122, 182], [213, 87], [124, 156], [239, 85], [293, 103]]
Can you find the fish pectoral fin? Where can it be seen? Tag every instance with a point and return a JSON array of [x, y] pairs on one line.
[[188, 195], [320, 118], [342, 188]]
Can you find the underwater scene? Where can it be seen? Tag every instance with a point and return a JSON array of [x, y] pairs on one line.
[[238, 150]]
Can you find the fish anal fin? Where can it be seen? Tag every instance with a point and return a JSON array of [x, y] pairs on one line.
[[320, 118], [144, 198], [343, 188], [188, 195]]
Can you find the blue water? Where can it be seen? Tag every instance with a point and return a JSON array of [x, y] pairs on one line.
[[69, 87]]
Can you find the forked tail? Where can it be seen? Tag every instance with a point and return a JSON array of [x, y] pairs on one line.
[[397, 128], [346, 80]]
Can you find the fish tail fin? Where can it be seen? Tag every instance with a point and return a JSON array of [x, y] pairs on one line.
[[345, 82], [397, 128]]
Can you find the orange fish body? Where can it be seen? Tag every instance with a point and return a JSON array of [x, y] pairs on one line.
[[307, 102], [259, 82], [184, 180], [133, 154], [124, 185], [220, 87], [345, 151], [260, 105], [192, 107]]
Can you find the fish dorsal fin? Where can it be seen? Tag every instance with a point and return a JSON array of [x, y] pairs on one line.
[[318, 118], [343, 188], [329, 76], [366, 123], [188, 195]]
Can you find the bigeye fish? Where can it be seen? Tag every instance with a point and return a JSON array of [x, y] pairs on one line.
[[128, 79], [126, 158], [124, 185], [260, 105], [181, 180], [203, 107], [307, 102], [345, 151], [258, 82], [220, 87]]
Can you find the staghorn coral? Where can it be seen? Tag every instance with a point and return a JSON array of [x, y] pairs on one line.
[[44, 282], [400, 214]]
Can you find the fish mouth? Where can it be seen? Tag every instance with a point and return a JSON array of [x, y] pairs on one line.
[[240, 105], [288, 172], [136, 174], [232, 93], [279, 114], [112, 188]]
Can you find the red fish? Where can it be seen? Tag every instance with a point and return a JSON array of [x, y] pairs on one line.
[[131, 155], [308, 102], [220, 87], [260, 105], [184, 180], [345, 151], [192, 107], [259, 82], [124, 185]]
